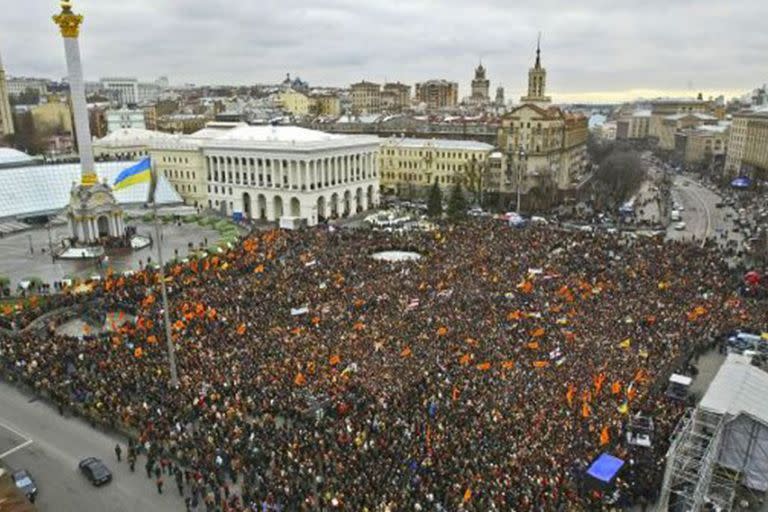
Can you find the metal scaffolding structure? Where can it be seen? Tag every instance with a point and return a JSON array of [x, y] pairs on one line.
[[693, 477]]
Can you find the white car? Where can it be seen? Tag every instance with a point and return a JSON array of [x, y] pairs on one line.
[[680, 226]]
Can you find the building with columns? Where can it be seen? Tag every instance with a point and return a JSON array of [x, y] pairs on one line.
[[271, 172]]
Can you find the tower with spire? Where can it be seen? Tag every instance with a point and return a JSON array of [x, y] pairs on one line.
[[93, 212], [537, 82], [480, 85], [6, 120]]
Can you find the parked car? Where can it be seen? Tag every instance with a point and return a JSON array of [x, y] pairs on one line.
[[680, 226], [95, 471], [26, 484]]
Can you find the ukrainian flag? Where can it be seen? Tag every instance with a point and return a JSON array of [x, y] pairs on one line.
[[139, 173]]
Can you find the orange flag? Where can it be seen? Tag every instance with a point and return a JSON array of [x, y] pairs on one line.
[[534, 345], [570, 394], [335, 359], [315, 320], [631, 392], [442, 331], [540, 364], [605, 436], [151, 339], [299, 380], [538, 333], [455, 394], [259, 269], [359, 326], [525, 286], [465, 359], [484, 367], [467, 495], [508, 365], [515, 315], [296, 330], [599, 379], [585, 411], [616, 388], [138, 352], [241, 329], [406, 352]]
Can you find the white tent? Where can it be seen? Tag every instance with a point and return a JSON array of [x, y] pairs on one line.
[[738, 393]]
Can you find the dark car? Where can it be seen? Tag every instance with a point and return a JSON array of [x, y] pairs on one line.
[[95, 471], [25, 484]]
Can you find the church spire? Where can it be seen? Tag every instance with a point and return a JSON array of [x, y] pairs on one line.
[[538, 52]]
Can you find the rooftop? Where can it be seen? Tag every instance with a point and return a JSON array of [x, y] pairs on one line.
[[133, 136], [738, 388], [641, 113], [44, 189], [447, 144], [11, 156]]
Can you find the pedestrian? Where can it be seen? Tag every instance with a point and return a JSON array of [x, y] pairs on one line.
[[118, 452], [148, 467], [159, 483], [158, 471], [132, 462]]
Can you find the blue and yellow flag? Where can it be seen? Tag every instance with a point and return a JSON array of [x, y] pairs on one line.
[[139, 173]]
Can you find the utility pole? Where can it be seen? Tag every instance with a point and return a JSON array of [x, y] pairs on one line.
[[520, 168], [161, 274]]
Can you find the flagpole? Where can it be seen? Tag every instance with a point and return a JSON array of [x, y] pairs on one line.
[[161, 272]]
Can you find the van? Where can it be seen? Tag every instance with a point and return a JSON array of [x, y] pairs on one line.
[[676, 215]]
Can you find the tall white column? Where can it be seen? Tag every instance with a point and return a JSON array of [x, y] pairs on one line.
[[80, 110]]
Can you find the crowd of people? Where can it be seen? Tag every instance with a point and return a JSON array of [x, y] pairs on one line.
[[486, 375]]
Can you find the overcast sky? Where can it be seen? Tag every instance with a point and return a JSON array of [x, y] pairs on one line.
[[593, 49]]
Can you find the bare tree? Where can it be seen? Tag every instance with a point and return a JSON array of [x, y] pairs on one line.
[[619, 176]]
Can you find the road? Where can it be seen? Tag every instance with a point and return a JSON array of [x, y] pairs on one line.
[[700, 215], [34, 437]]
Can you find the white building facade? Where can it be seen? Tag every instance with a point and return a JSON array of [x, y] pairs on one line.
[[270, 173], [129, 91]]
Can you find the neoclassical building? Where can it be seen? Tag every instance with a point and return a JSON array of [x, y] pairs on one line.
[[271, 172], [268, 172]]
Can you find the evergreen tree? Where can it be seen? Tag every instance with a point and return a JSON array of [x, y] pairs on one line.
[[435, 201], [457, 203]]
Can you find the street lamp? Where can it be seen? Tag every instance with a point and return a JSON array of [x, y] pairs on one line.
[[522, 156], [164, 292]]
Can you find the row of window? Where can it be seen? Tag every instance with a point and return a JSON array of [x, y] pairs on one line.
[[399, 176], [176, 160], [266, 180], [439, 154], [178, 174]]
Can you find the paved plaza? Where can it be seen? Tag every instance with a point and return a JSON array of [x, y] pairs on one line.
[[27, 254]]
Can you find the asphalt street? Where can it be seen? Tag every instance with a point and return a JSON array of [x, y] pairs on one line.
[[34, 437], [699, 213]]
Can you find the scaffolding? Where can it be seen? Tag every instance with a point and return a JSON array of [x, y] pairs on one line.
[[693, 477]]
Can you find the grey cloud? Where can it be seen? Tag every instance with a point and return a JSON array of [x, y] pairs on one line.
[[594, 45]]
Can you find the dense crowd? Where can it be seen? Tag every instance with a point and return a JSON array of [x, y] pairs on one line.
[[485, 376]]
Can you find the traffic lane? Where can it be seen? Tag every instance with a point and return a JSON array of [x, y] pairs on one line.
[[722, 218], [694, 215], [59, 444]]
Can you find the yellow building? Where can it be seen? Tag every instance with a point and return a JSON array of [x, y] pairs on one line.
[[395, 97], [366, 97], [183, 165], [294, 102], [634, 126], [547, 146], [702, 145], [663, 108], [671, 125], [325, 105], [410, 166], [52, 118], [6, 119], [748, 144]]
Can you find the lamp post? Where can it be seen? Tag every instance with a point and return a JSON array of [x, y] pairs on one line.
[[161, 274], [522, 156]]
